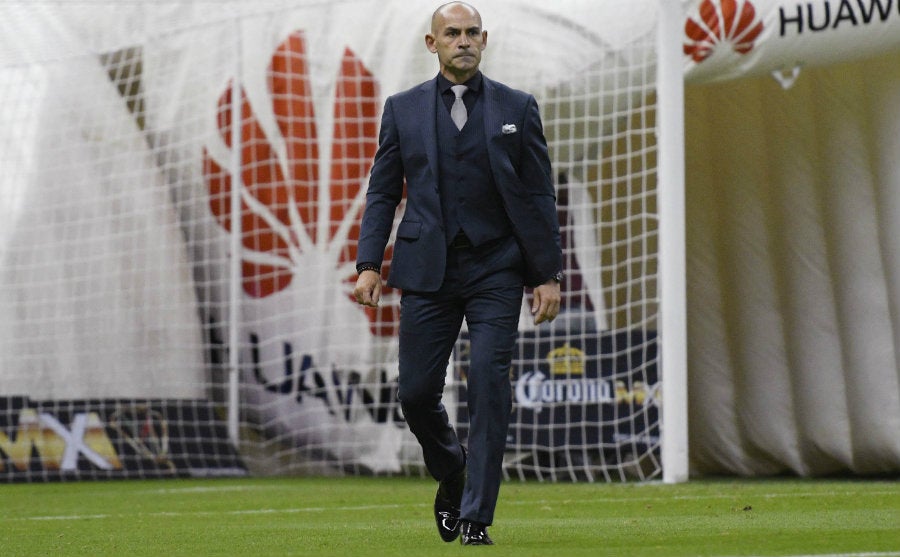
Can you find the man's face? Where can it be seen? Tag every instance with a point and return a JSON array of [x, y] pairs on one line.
[[458, 39]]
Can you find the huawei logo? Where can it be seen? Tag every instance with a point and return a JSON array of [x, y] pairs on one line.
[[723, 21], [298, 212]]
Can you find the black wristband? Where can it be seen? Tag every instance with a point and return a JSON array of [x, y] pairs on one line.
[[367, 267]]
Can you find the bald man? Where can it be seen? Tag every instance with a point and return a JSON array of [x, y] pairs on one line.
[[480, 224]]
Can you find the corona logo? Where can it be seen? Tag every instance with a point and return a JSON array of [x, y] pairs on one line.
[[533, 390], [566, 360], [722, 24], [300, 209]]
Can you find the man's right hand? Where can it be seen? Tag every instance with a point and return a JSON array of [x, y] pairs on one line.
[[368, 288]]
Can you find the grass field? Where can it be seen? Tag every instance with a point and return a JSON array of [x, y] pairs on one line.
[[392, 516]]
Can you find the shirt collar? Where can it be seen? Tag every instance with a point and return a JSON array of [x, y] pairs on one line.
[[474, 83]]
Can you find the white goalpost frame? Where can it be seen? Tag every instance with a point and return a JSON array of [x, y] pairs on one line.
[[234, 292], [672, 256]]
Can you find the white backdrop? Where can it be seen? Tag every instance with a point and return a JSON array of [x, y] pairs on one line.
[[793, 212], [794, 272]]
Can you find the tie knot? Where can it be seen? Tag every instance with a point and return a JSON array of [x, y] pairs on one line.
[[459, 90]]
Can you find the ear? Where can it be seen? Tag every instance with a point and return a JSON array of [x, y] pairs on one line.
[[483, 40], [429, 43]]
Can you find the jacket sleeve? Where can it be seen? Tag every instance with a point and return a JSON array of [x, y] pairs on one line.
[[384, 193], [534, 171]]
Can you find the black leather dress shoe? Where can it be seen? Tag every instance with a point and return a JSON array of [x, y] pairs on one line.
[[446, 505], [473, 533]]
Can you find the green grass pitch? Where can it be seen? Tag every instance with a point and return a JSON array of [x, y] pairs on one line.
[[359, 517]]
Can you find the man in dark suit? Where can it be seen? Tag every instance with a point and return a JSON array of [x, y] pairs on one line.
[[480, 224]]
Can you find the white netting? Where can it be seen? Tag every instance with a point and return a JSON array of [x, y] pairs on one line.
[[140, 274]]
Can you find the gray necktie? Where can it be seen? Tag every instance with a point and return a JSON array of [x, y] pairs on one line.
[[458, 111]]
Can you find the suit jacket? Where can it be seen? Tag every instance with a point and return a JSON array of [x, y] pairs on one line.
[[408, 150]]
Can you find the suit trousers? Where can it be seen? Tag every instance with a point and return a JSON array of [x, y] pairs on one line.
[[484, 285]]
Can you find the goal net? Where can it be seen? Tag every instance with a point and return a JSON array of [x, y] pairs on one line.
[[181, 186]]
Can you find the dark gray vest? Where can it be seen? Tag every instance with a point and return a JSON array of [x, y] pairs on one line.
[[469, 198]]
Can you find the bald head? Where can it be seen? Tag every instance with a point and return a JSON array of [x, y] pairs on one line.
[[441, 14]]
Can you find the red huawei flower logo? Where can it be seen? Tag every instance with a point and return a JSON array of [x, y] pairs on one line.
[[284, 217], [726, 22]]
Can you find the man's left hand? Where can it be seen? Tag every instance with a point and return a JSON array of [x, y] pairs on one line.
[[545, 306]]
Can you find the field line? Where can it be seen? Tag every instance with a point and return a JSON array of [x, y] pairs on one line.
[[295, 510]]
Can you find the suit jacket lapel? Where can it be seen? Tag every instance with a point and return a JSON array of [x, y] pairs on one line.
[[493, 118], [427, 104], [492, 112]]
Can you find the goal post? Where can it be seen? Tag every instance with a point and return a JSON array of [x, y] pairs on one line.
[[673, 259], [180, 198]]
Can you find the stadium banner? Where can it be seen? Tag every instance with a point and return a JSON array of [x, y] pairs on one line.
[[725, 39], [582, 394], [111, 439]]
